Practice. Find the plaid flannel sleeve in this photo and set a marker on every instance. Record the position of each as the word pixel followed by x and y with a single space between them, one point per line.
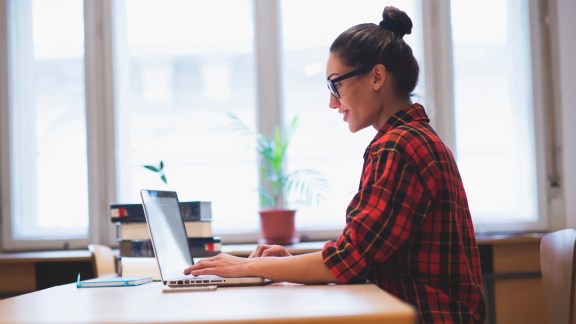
pixel 390 205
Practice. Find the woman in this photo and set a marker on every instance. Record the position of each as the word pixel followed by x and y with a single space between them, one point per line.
pixel 408 229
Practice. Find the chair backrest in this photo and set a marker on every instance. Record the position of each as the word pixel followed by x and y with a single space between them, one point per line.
pixel 103 260
pixel 557 266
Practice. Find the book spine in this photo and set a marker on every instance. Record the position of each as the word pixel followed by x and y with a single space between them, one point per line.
pixel 134 213
pixel 139 231
pixel 199 247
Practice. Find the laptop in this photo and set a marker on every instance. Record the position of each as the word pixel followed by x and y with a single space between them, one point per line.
pixel 170 243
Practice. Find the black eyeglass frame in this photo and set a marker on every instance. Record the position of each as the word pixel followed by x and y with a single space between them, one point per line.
pixel 332 83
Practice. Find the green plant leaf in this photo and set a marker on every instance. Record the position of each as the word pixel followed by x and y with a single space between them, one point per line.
pixel 159 170
pixel 151 168
pixel 307 186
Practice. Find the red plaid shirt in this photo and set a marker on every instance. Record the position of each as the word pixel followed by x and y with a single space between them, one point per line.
pixel 408 229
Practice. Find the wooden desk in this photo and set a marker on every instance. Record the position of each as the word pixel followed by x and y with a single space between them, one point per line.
pixel 29 271
pixel 511 273
pixel 510 266
pixel 25 272
pixel 279 303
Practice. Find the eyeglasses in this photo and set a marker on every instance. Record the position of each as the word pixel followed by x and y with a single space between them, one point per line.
pixel 332 83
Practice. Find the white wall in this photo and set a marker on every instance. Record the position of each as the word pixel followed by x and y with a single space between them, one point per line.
pixel 566 99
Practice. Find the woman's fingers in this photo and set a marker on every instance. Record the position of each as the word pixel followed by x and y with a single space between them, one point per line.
pixel 260 249
pixel 223 264
pixel 266 250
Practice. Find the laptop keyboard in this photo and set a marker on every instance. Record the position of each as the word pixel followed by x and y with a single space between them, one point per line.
pixel 202 279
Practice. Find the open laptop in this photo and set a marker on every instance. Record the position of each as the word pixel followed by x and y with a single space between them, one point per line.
pixel 170 243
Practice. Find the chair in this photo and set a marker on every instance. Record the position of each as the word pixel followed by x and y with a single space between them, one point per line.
pixel 103 260
pixel 557 264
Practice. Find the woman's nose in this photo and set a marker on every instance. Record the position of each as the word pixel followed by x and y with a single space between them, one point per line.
pixel 333 102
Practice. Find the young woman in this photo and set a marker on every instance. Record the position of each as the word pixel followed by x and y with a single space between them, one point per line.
pixel 408 229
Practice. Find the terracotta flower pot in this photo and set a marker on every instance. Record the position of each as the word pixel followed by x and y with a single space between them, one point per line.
pixel 278 226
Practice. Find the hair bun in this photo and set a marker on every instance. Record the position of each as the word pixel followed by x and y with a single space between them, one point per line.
pixel 396 21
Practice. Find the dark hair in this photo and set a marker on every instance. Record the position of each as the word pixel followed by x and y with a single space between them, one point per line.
pixel 370 44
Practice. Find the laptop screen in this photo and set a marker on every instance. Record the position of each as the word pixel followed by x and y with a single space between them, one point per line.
pixel 170 242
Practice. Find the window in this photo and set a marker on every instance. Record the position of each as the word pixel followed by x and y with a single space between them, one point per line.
pixel 170 71
pixel 47 121
pixel 179 78
pixel 495 105
pixel 323 141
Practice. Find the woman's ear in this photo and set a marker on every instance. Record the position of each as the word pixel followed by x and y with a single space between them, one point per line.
pixel 380 76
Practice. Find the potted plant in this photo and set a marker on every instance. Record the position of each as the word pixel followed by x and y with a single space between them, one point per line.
pixel 278 188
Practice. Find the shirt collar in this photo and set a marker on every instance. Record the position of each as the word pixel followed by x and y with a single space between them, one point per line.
pixel 415 113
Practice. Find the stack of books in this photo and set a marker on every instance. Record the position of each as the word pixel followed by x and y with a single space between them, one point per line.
pixel 134 238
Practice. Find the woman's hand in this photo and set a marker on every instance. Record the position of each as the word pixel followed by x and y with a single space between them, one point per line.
pixel 304 268
pixel 265 250
pixel 223 265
